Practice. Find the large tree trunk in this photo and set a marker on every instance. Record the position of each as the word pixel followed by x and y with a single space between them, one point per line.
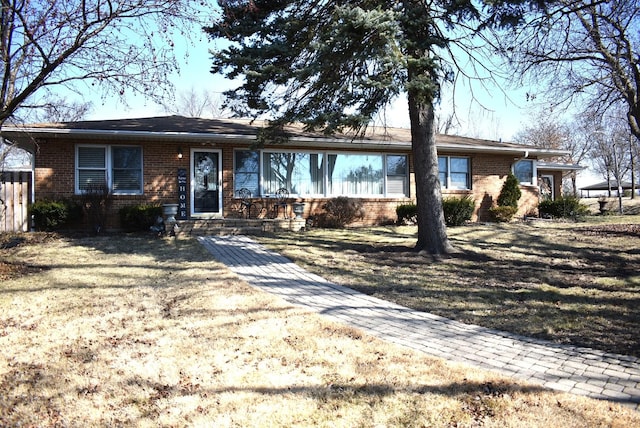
pixel 432 230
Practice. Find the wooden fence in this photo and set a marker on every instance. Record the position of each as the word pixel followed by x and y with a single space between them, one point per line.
pixel 15 188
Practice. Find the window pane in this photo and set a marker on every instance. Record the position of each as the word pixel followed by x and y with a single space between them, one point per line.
pixel 355 175
pixel 91 157
pixel 459 165
pixel 278 171
pixel 523 170
pixel 127 180
pixel 299 173
pixel 396 185
pixel 458 180
pixel 88 178
pixel 459 174
pixel 246 171
pixel 397 175
pixel 127 169
pixel 442 170
pixel 396 165
pixel 127 157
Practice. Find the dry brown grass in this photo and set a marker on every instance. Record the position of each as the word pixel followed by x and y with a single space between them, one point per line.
pixel 575 283
pixel 136 331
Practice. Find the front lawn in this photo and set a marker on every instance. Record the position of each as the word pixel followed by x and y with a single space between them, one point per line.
pixel 126 330
pixel 575 283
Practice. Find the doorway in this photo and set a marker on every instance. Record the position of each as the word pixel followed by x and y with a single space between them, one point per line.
pixel 206 197
pixel 547 188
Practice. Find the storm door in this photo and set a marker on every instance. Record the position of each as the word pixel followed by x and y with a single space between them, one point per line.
pixel 206 197
pixel 546 188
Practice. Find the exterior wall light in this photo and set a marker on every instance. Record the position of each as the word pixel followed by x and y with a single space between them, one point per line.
pixel 179 152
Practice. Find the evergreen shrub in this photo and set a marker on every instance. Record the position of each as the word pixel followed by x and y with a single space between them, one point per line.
pixel 407 214
pixel 139 217
pixel 49 215
pixel 510 192
pixel 457 210
pixel 507 200
pixel 563 207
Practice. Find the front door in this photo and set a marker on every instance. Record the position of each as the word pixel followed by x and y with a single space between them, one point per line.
pixel 546 187
pixel 206 198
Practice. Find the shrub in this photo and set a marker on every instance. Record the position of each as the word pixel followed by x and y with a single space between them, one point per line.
pixel 339 212
pixel 510 192
pixel 564 207
pixel 502 214
pixel 407 214
pixel 507 200
pixel 139 217
pixel 54 215
pixel 457 210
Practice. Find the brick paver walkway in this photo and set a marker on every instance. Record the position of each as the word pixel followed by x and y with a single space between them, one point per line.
pixel 566 368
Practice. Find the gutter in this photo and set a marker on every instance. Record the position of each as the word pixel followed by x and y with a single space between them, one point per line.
pixel 28 135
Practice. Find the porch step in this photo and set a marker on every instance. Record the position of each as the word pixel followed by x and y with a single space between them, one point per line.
pixel 238 226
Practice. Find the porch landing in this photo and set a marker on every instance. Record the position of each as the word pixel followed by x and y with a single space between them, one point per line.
pixel 235 226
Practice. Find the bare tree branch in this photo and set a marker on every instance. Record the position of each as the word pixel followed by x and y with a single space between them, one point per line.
pixel 91 45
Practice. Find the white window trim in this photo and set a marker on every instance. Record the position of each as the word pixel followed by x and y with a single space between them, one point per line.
pixel 108 168
pixel 534 172
pixel 447 184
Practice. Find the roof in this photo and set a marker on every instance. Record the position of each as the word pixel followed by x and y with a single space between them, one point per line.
pixel 605 185
pixel 188 129
pixel 554 166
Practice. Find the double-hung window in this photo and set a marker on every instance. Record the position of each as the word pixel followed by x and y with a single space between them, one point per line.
pixel 119 168
pixel 454 172
pixel 397 177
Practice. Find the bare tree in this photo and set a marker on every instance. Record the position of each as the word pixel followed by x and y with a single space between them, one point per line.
pixel 88 46
pixel 547 130
pixel 611 154
pixel 197 104
pixel 583 50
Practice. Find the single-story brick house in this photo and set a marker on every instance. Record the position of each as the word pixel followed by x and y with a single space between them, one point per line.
pixel 201 164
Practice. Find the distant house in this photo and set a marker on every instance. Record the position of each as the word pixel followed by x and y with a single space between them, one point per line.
pixel 144 160
pixel 606 188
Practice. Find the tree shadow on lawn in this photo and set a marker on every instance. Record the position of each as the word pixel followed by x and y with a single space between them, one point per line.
pixel 553 298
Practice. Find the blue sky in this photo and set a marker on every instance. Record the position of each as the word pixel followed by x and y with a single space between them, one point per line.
pixel 499 120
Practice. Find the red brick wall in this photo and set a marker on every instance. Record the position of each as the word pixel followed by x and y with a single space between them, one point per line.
pixel 489 172
pixel 55 175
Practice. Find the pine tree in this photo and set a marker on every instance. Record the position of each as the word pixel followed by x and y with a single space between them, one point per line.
pixel 510 192
pixel 332 65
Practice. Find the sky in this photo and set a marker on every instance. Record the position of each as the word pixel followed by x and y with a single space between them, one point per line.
pixel 501 118
pixel 492 113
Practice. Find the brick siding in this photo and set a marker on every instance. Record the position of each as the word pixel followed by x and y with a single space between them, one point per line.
pixel 55 179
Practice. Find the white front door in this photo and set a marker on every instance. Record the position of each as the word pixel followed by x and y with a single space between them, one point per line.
pixel 206 178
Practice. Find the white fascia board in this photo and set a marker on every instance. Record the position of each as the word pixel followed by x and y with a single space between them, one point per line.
pixel 87 133
pixel 34 133
pixel 522 152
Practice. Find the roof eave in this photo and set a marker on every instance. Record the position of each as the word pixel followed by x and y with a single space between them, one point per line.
pixel 26 138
